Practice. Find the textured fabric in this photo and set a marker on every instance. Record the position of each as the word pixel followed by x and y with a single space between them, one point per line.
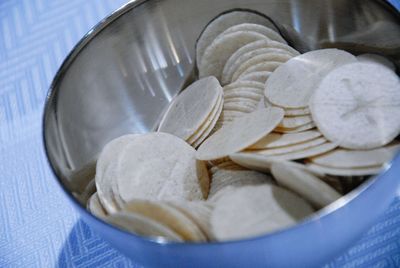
pixel 37 227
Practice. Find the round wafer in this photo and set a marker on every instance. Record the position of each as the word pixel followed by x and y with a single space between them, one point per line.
pixel 256 210
pixel 191 108
pixel 236 60
pixel 168 216
pixel 157 166
pixel 223 22
pixel 261 77
pixel 287 87
pixel 342 158
pixel 367 171
pixel 291 148
pixel 308 186
pixel 275 140
pixel 231 139
pixel 216 55
pixel 358 106
pixel 141 225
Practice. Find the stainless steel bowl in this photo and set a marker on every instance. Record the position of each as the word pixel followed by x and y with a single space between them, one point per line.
pixel 122 75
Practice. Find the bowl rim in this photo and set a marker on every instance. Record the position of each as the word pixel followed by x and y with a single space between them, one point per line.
pixel 51 99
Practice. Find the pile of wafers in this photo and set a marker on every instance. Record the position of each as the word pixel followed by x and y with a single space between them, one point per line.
pixel 265 137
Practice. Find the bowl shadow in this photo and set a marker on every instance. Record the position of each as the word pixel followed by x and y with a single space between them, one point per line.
pixel 84 248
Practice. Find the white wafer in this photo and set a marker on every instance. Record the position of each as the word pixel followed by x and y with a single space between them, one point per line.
pixel 373 170
pixel 263 209
pixel 291 148
pixel 287 86
pixel 263 164
pixel 252 27
pixel 342 158
pixel 207 132
pixel 223 22
pixel 297 112
pixel 231 138
pixel 94 206
pixel 308 186
pixel 216 55
pixel 295 121
pixel 210 121
pixel 105 174
pixel 236 178
pixel 233 63
pixel 191 108
pixel 260 67
pixel 157 166
pixel 375 58
pixel 142 225
pixel 263 58
pixel 242 106
pixel 245 84
pixel 261 77
pixel 199 212
pixel 275 140
pixel 242 93
pixel 295 130
pixel 358 106
pixel 169 216
pixel 313 151
pixel 261 44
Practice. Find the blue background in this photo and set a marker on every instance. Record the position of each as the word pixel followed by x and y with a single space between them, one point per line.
pixel 38 227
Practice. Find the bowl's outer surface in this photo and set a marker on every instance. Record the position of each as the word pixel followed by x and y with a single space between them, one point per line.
pixel 120 78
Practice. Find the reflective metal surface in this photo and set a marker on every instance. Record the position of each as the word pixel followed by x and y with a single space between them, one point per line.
pixel 120 78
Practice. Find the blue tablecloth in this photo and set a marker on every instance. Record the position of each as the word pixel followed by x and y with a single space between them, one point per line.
pixel 38 227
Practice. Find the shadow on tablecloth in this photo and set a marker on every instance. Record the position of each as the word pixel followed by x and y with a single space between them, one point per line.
pixel 84 248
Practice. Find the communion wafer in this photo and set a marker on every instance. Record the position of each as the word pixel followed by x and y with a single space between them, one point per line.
pixel 295 121
pixel 103 179
pixel 199 212
pixel 263 58
pixel 252 27
pixel 141 225
pixel 261 77
pixel 291 148
pixel 157 166
pixel 242 93
pixel 364 171
pixel 207 132
pixel 231 138
pixel 259 67
pixel 254 210
pixel 95 207
pixel 342 158
pixel 212 118
pixel 358 106
pixel 216 55
pixel 263 164
pixel 295 130
pixel 245 84
pixel 223 22
pixel 191 108
pixel 236 60
pixel 237 178
pixel 169 216
pixel 274 140
pixel 287 86
pixel 260 44
pixel 308 186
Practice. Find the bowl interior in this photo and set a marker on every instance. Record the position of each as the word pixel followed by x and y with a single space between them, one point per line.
pixel 121 77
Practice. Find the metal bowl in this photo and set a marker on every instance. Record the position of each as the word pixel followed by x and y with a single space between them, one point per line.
pixel 121 76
